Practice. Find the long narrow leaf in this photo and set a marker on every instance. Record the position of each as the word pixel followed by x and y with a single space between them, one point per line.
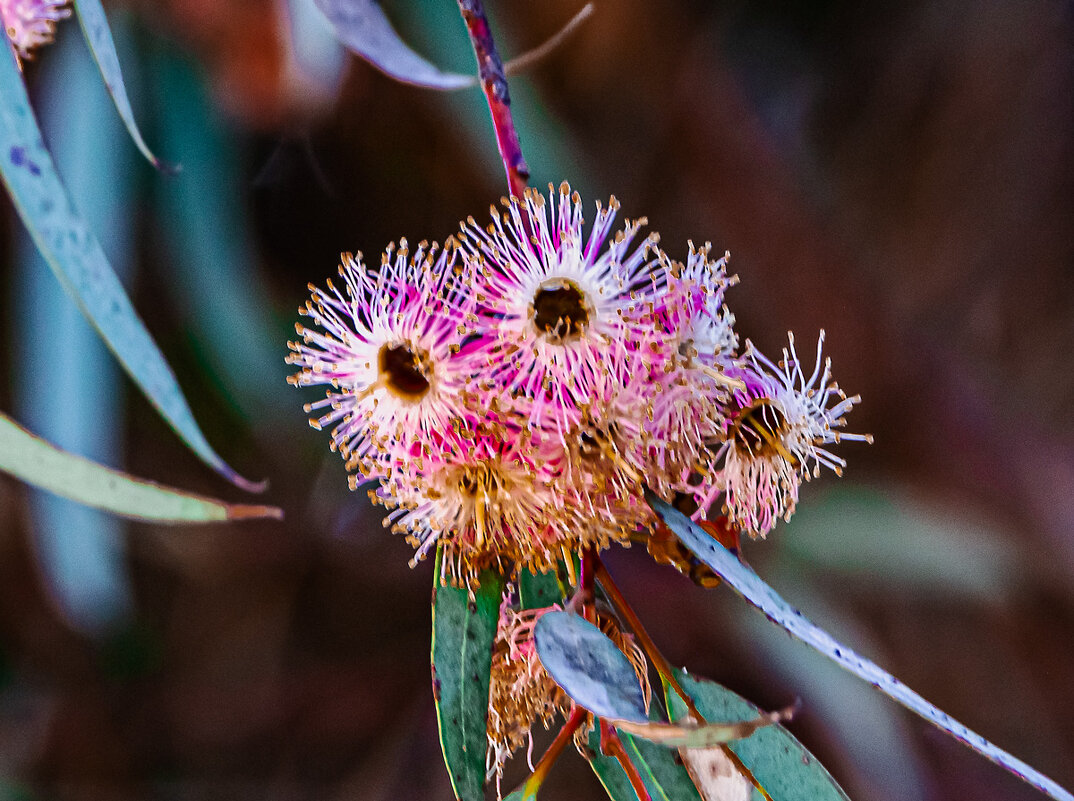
pixel 751 587
pixel 463 633
pixel 45 466
pixel 68 389
pixel 75 256
pixel 99 38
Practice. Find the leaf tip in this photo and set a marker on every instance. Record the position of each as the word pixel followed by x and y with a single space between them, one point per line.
pixel 242 511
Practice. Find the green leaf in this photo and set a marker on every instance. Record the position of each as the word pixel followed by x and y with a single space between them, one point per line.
pixel 660 769
pixel 751 587
pixel 589 667
pixel 75 256
pixel 99 39
pixel 780 763
pixel 464 630
pixel 538 590
pixel 362 26
pixel 45 466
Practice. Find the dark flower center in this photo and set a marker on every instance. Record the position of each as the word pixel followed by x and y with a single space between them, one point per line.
pixel 559 309
pixel 403 371
pixel 759 429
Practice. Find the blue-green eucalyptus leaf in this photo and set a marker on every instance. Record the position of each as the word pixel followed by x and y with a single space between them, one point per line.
pixel 589 667
pixel 751 587
pixel 464 630
pixel 778 762
pixel 43 465
pixel 67 387
pixel 75 256
pixel 94 23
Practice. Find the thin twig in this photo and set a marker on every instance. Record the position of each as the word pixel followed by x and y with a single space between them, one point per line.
pixel 494 85
pixel 540 773
pixel 527 60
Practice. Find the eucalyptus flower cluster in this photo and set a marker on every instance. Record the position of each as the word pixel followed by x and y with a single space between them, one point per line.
pixel 513 392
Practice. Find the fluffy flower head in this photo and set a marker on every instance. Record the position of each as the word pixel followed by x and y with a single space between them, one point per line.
pixel 388 347
pixel 553 301
pixel 776 435
pixel 31 23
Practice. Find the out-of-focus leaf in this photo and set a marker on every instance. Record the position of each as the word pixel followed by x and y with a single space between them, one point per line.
pixel 74 254
pixel 362 26
pixel 315 55
pixel 891 538
pixel 464 630
pixel 67 387
pixel 538 590
pixel 206 231
pixel 589 667
pixel 45 466
pixel 99 38
pixel 751 587
pixel 779 763
pixel 664 777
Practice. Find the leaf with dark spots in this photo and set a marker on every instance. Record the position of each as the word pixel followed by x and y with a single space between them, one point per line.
pixel 464 631
pixel 75 256
pixel 777 761
pixel 589 667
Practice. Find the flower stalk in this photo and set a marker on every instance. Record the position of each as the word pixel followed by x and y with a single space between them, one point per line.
pixel 494 85
pixel 540 773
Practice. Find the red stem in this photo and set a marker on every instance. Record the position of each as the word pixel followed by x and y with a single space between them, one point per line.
pixel 611 745
pixel 540 773
pixel 494 85
pixel 589 562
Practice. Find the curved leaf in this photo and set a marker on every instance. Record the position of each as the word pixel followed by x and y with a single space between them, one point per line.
pixel 751 587
pixel 780 763
pixel 706 735
pixel 589 667
pixel 81 550
pixel 75 256
pixel 94 24
pixel 45 466
pixel 362 26
pixel 464 630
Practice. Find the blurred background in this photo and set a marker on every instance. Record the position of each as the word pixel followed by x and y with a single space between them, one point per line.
pixel 899 174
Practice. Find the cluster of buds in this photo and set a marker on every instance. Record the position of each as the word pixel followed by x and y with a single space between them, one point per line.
pixel 514 392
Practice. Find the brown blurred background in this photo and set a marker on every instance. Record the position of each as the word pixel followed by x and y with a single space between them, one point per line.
pixel 899 174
